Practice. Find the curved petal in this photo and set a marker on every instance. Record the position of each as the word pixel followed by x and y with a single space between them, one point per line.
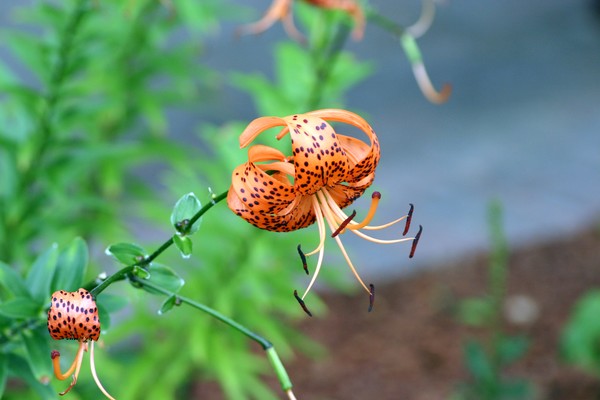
pixel 259 191
pixel 319 158
pixel 259 152
pixel 258 126
pixel 344 195
pixel 370 160
pixel 296 215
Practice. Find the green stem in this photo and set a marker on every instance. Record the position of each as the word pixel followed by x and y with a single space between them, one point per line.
pixel 385 23
pixel 325 58
pixel 272 355
pixel 124 272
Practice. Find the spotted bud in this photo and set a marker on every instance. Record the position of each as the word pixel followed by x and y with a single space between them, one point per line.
pixel 73 315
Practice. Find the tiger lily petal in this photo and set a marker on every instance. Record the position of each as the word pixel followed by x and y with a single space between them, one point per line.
pixel 325 172
pixel 281 10
pixel 74 315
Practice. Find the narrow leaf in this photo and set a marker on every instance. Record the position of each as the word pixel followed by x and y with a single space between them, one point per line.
pixel 184 244
pixel 12 282
pixel 21 307
pixel 72 264
pixel 166 278
pixel 126 253
pixel 41 274
pixel 185 208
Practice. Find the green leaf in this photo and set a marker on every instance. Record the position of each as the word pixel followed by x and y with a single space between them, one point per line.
pixel 185 208
pixel 3 372
pixel 19 367
pixel 184 244
pixel 37 352
pixel 20 307
pixel 478 362
pixel 167 305
pixel 12 282
pixel 126 253
pixel 72 264
pixel 41 274
pixel 475 311
pixel 510 349
pixel 164 277
pixel 580 341
pixel 108 304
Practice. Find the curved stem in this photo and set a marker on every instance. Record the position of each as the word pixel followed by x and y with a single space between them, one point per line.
pixel 267 346
pixel 124 272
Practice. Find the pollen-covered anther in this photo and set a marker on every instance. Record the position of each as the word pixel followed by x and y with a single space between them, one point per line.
pixel 302 304
pixel 408 219
pixel 344 224
pixel 413 248
pixel 303 258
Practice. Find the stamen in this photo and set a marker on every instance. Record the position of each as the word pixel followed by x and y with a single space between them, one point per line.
pixel 371 297
pixel 306 310
pixel 77 364
pixel 408 219
pixel 343 225
pixel 320 249
pixel 415 242
pixel 93 368
pixel 375 197
pixel 303 258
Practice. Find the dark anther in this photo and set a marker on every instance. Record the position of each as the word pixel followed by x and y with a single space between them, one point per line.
pixel 303 258
pixel 408 219
pixel 376 195
pixel 415 242
pixel 54 354
pixel 371 297
pixel 306 310
pixel 344 224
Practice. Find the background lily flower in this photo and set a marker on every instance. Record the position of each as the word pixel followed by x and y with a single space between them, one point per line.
pixel 282 10
pixel 74 315
pixel 325 173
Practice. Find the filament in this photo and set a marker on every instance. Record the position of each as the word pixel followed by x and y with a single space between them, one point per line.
pixel 78 360
pixel 93 368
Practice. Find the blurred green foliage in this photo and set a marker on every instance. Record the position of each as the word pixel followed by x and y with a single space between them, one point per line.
pixel 580 341
pixel 79 131
pixel 486 360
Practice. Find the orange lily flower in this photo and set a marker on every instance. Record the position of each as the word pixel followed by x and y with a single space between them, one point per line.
pixel 74 315
pixel 326 172
pixel 282 10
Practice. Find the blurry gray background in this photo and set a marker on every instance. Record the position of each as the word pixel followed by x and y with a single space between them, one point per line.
pixel 522 124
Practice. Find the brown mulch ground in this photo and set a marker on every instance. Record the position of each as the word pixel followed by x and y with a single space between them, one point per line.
pixel 410 347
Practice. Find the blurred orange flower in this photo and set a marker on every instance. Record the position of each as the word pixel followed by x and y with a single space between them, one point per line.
pixel 281 10
pixel 326 172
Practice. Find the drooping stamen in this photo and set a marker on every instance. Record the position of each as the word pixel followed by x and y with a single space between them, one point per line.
pixel 408 219
pixel 415 242
pixel 303 258
pixel 93 368
pixel 77 362
pixel 55 355
pixel 371 297
pixel 343 225
pixel 306 310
